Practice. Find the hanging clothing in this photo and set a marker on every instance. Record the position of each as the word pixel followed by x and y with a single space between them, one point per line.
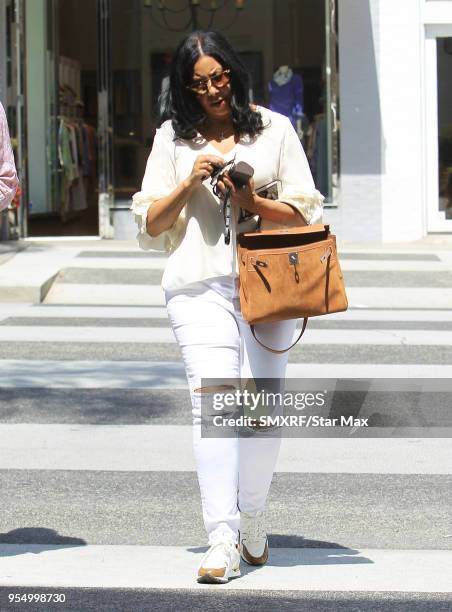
pixel 74 162
pixel 67 166
pixel 65 151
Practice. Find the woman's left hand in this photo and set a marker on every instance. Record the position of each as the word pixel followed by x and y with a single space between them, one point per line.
pixel 244 197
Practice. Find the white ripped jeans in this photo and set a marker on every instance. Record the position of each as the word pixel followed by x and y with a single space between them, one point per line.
pixel 234 473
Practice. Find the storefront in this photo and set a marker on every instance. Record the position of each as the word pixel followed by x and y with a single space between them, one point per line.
pixel 396 120
pixel 81 90
pixel 93 78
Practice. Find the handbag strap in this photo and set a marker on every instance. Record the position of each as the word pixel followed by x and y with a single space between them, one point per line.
pixel 305 322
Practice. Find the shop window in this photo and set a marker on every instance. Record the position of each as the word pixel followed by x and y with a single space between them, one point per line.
pixel 305 41
pixel 444 79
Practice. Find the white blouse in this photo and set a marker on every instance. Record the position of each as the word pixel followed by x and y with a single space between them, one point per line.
pixel 195 242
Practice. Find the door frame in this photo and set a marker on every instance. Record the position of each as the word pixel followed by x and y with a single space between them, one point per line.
pixel 105 119
pixel 436 221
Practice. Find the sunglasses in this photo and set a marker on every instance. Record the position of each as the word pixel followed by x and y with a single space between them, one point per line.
pixel 220 79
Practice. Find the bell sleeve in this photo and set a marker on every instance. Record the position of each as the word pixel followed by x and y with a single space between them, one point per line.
pixel 297 185
pixel 159 181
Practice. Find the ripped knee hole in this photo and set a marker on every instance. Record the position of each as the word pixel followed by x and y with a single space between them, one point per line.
pixel 214 389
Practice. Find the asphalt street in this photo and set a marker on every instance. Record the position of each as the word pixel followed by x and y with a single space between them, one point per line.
pixel 100 499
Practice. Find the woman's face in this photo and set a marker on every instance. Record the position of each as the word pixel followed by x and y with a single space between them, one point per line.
pixel 216 100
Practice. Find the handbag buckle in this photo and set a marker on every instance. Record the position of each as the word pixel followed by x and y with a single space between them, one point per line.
pixel 293 258
pixel 326 254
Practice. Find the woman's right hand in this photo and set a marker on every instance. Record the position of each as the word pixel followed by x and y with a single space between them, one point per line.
pixel 203 168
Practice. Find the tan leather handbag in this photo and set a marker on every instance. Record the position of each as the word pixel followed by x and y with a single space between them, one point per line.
pixel 289 273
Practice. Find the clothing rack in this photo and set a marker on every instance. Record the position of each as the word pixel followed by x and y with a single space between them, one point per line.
pixel 77 160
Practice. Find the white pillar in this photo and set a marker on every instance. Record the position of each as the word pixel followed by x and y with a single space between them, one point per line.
pixel 401 94
pixel 381 195
pixel 359 216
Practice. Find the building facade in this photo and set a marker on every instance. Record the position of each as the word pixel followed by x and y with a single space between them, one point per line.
pixel 396 119
pixel 367 89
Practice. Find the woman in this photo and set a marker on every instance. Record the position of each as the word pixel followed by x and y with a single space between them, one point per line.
pixel 211 121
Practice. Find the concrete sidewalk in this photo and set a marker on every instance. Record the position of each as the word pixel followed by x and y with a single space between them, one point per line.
pixel 10 248
pixel 174 567
pixel 29 267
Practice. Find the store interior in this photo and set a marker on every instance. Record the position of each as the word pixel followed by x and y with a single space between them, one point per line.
pixel 284 53
pixel 72 124
pixel 444 63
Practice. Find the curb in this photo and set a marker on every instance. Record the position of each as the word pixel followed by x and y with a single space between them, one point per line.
pixel 27 293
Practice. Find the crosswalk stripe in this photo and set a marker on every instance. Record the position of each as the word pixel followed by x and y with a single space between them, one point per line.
pixel 154 351
pixel 171 567
pixel 124 295
pixel 156 263
pixel 150 311
pixel 165 335
pixel 127 295
pixel 377 370
pixel 86 374
pixel 171 375
pixel 160 322
pixel 345 253
pixel 416 297
pixel 145 448
pixel 159 263
pixel 391 266
pixel 76 447
pixel 82 312
pixel 353 278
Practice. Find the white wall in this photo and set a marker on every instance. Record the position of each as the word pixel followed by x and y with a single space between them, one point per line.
pixel 381 121
pixel 401 37
pixel 359 215
pixel 437 11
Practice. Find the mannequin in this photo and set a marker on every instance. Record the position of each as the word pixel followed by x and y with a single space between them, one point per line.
pixel 282 75
pixel 286 95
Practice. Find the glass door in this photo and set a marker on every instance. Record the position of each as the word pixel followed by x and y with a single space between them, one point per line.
pixel 332 101
pixel 53 105
pixel 126 121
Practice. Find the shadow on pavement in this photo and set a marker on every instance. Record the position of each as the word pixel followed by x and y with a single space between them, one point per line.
pixel 320 553
pixel 35 540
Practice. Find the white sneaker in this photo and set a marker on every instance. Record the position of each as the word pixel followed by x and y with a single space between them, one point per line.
pixel 220 563
pixel 253 538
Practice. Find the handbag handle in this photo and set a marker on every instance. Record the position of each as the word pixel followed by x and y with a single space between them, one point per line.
pixel 305 322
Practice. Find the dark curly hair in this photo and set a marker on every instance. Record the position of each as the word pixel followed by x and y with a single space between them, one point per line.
pixel 181 105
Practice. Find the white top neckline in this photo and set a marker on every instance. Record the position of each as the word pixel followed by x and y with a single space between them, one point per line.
pixel 199 139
